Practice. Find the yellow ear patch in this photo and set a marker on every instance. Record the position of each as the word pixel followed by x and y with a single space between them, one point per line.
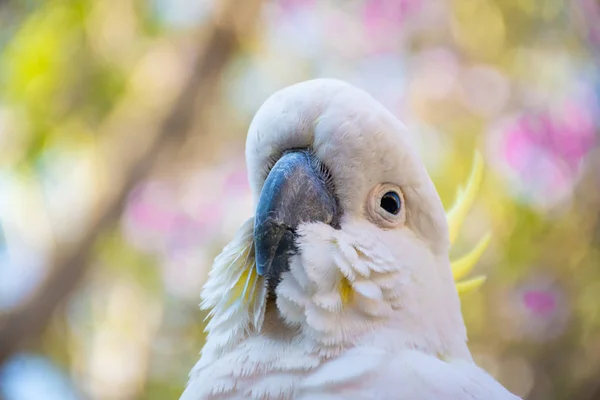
pixel 242 290
pixel 456 216
pixel 345 290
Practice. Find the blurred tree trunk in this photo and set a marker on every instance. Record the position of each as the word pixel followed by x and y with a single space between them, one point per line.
pixel 233 22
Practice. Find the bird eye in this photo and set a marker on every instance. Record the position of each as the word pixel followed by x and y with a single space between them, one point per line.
pixel 386 206
pixel 391 202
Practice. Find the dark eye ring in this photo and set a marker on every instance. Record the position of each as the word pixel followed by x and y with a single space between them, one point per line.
pixel 391 202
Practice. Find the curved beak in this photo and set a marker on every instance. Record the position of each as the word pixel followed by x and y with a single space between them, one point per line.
pixel 294 192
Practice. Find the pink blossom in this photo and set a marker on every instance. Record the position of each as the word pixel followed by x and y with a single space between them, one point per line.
pixel 237 181
pixel 539 301
pixel 537 310
pixel 289 6
pixel 589 11
pixel 545 150
pixel 381 17
pixel 151 208
pixel 378 12
pixel 567 137
pixel 151 217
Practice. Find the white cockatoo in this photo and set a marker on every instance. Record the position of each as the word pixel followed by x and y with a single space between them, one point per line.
pixel 340 286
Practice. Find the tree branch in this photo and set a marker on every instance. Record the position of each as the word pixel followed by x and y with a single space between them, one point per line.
pixel 27 322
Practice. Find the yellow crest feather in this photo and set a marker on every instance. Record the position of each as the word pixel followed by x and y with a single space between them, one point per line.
pixel 464 265
pixel 456 216
pixel 470 284
pixel 464 200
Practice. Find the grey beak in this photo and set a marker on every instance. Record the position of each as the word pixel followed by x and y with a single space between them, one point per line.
pixel 295 191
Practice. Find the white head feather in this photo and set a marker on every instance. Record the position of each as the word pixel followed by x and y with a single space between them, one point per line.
pixel 402 265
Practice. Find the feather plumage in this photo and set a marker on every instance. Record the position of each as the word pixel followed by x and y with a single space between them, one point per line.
pixel 366 311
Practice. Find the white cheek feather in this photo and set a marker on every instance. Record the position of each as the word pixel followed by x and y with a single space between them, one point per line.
pixel 234 294
pixel 347 285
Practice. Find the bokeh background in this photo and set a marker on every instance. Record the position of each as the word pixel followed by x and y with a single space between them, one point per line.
pixel 122 173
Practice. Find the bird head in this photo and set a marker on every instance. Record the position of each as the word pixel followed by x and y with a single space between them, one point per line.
pixel 349 234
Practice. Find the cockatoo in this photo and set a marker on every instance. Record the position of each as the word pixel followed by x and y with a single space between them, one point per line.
pixel 340 286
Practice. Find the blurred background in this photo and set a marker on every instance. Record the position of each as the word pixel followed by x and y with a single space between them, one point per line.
pixel 122 172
